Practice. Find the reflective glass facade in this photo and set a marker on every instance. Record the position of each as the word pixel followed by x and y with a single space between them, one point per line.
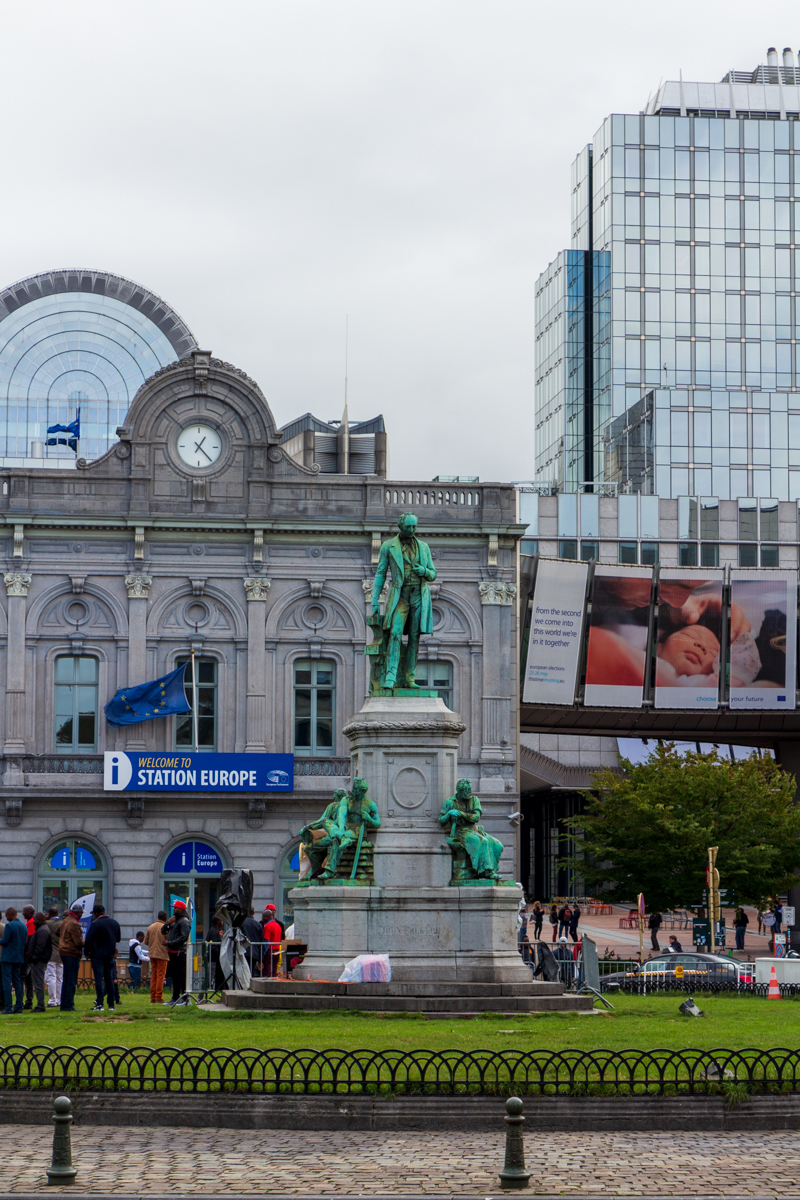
pixel 74 348
pixel 693 220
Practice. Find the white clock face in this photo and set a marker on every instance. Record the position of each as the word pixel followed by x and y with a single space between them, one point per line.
pixel 199 445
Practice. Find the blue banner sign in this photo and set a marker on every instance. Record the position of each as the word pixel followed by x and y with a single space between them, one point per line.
pixel 176 771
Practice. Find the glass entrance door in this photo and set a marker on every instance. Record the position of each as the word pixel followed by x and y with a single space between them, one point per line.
pixel 191 873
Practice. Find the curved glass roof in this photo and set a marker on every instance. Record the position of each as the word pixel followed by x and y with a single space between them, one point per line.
pixel 78 338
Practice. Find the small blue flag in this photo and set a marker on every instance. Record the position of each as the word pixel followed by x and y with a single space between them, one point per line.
pixel 73 429
pixel 161 698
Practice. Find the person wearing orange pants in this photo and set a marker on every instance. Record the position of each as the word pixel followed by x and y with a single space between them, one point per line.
pixel 157 944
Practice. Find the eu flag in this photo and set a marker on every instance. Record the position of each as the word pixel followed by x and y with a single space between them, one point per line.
pixel 161 698
pixel 73 429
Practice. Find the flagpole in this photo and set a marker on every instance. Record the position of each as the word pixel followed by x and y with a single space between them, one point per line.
pixel 194 702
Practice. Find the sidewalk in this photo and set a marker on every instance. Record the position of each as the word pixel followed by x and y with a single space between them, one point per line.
pixel 183 1161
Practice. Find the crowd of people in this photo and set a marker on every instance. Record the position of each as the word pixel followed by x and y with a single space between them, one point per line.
pixel 42 952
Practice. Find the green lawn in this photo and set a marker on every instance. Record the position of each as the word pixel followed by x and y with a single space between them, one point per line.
pixel 640 1022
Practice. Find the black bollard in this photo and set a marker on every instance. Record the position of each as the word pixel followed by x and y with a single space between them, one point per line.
pixel 61 1170
pixel 513 1174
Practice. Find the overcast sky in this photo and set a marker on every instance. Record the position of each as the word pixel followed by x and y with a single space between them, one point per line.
pixel 269 166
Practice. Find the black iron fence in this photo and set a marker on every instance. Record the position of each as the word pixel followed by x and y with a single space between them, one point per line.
pixel 392 1072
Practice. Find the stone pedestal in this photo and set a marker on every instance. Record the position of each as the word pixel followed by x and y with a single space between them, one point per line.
pixel 406 747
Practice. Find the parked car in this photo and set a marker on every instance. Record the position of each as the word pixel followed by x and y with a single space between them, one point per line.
pixel 697 968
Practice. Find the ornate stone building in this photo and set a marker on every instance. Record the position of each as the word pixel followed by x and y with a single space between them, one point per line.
pixel 116 570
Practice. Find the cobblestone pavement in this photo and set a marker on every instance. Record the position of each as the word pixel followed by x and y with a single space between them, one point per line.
pixel 179 1161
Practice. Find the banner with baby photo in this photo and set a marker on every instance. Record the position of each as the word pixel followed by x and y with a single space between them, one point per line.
pixel 688 638
pixel 618 632
pixel 762 638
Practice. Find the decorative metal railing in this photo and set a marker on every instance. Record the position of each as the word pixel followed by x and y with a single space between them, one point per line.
pixel 321 766
pixel 63 764
pixel 443 1072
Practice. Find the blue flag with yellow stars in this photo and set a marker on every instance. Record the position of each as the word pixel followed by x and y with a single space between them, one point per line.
pixel 161 698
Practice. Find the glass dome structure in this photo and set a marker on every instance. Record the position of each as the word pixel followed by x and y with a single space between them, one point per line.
pixel 72 339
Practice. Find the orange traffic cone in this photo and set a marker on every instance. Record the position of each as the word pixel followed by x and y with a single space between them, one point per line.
pixel 774 992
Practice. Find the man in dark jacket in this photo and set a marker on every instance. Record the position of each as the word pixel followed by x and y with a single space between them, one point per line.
pixel 654 924
pixel 575 917
pixel 15 935
pixel 177 931
pixel 101 949
pixel 70 947
pixel 38 952
pixel 27 976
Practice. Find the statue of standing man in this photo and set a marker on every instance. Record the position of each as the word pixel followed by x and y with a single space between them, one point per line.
pixel 407 560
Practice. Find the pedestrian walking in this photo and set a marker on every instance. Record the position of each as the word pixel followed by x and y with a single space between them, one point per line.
pixel 575 917
pixel 27 976
pixel 156 945
pixel 101 950
pixel 70 947
pixel 177 931
pixel 537 916
pixel 777 908
pixel 565 960
pixel 137 954
pixel 54 971
pixel 37 954
pixel 273 934
pixel 654 924
pixel 256 951
pixel 740 923
pixel 554 922
pixel 564 916
pixel 15 935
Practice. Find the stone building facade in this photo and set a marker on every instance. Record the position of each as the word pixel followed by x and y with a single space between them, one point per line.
pixel 115 571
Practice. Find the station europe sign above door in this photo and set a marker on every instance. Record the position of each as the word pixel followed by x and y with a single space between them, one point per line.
pixel 126 771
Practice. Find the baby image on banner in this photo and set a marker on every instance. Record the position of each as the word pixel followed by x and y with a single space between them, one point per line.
pixel 688 638
pixel 761 670
pixel 554 646
pixel 618 628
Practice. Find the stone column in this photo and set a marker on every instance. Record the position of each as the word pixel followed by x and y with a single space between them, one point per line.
pixel 17 584
pixel 256 590
pixel 138 586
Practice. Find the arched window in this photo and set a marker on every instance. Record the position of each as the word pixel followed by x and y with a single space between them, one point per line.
pixel 69 870
pixel 287 879
pixel 190 871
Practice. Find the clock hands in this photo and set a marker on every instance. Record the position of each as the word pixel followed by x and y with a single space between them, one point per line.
pixel 199 446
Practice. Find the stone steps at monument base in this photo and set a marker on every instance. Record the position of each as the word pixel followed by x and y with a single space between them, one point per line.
pixel 313 987
pixel 455 1003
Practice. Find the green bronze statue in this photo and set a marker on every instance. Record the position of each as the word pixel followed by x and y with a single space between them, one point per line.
pixel 337 844
pixel 476 854
pixel 407 561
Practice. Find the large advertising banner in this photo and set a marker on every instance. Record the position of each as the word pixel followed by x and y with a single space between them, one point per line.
pixel 763 625
pixel 618 628
pixel 688 638
pixel 554 646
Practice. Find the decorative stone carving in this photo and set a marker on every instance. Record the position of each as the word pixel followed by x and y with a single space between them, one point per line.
pixel 138 586
pixel 78 583
pixel 495 592
pixel 17 583
pixel 451 728
pixel 493 547
pixel 19 534
pixel 257 589
pixel 134 815
pixel 198 586
pixel 258 545
pixel 13 811
pixel 138 542
pixel 315 587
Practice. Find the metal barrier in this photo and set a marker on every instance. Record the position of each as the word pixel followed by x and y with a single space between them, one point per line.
pixel 444 1072
pixel 204 975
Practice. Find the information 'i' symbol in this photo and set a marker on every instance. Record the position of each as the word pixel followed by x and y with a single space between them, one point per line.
pixel 114 771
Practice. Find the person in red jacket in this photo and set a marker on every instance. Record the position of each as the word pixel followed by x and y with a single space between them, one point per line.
pixel 274 935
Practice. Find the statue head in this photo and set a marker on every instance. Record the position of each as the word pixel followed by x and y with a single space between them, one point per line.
pixel 360 788
pixel 407 525
pixel 339 794
pixel 463 789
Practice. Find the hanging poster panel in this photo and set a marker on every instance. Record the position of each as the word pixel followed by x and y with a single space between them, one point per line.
pixel 763 640
pixel 617 654
pixel 688 638
pixel 554 647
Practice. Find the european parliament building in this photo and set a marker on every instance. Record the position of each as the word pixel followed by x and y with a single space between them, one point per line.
pixel 250 546
pixel 667 401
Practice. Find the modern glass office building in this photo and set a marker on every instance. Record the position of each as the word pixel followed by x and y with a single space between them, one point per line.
pixel 667 333
pixel 77 339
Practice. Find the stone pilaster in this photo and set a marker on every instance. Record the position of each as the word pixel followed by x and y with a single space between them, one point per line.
pixel 17 584
pixel 138 586
pixel 256 590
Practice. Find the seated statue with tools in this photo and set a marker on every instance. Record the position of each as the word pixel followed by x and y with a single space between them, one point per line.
pixel 335 844
pixel 476 854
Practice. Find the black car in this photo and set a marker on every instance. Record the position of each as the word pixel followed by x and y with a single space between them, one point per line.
pixel 691 966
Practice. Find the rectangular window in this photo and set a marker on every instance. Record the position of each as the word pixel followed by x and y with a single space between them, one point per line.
pixel 206 706
pixel 748 523
pixel 314 706
pixel 769 520
pixel 76 704
pixel 769 556
pixel 687 554
pixel 709 554
pixel 438 675
pixel 748 555
pixel 709 520
pixel 649 554
pixel 567 549
pixel 589 551
pixel 628 553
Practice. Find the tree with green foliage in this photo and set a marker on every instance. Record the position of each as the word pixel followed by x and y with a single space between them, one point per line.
pixel 649 829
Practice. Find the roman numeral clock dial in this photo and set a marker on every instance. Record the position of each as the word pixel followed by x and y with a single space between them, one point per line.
pixel 199 445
